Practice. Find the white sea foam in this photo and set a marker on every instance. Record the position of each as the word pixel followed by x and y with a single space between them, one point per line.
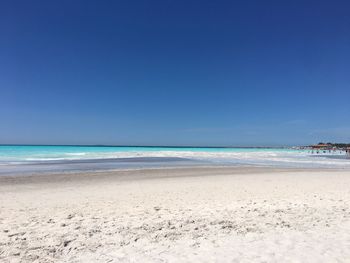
pixel 266 157
pixel 282 158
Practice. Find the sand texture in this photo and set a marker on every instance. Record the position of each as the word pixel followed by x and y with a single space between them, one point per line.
pixel 177 215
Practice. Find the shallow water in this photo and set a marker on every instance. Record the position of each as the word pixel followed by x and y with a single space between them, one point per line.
pixel 31 159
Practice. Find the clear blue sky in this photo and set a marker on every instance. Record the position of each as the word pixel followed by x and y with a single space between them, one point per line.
pixel 174 72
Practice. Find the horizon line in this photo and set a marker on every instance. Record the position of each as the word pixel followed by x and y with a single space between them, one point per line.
pixel 154 146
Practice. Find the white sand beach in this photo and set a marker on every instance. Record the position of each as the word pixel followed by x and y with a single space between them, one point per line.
pixel 177 215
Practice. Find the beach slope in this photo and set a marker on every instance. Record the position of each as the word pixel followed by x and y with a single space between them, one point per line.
pixel 177 215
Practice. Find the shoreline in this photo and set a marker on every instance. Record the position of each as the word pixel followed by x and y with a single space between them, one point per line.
pixel 55 159
pixel 133 174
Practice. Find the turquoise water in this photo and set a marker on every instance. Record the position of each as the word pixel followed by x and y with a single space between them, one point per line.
pixel 16 159
pixel 42 153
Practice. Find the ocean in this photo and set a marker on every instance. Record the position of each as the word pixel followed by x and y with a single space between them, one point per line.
pixel 32 159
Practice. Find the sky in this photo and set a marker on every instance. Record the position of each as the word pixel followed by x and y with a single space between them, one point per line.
pixel 201 73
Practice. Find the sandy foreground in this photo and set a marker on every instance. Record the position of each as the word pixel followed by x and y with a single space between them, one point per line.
pixel 177 215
